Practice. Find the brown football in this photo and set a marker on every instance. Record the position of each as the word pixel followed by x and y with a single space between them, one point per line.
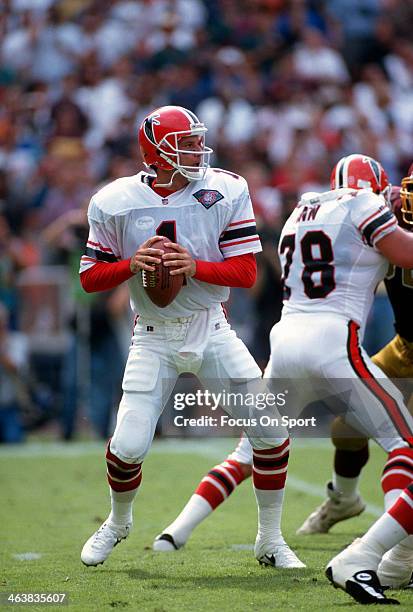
pixel 161 287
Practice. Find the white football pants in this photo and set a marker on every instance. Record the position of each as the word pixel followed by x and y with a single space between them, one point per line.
pixel 153 366
pixel 327 347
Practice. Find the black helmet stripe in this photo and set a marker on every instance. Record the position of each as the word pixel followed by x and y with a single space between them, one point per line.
pixel 340 173
pixel 193 118
pixel 376 169
pixel 148 127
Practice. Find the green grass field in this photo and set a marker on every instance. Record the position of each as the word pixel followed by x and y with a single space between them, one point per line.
pixel 54 496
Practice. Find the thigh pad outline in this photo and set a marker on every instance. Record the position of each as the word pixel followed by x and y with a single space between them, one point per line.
pixel 141 371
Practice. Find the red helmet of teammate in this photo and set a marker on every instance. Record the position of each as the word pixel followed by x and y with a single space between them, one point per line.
pixel 361 172
pixel 406 197
pixel 159 137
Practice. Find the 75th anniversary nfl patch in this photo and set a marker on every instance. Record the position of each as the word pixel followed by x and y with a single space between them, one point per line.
pixel 208 197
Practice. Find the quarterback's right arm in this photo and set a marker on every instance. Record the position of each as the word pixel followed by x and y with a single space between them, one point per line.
pixel 101 266
pixel 102 276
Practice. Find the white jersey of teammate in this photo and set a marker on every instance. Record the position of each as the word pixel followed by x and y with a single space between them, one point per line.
pixel 331 268
pixel 328 254
pixel 212 218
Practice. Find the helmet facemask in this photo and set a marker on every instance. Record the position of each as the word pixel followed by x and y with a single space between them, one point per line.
pixel 406 197
pixel 163 148
pixel 169 149
pixel 386 193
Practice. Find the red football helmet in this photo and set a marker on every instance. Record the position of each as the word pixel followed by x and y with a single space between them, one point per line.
pixel 361 172
pixel 406 197
pixel 159 137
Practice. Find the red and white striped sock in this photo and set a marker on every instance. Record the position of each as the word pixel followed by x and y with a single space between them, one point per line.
pixel 220 482
pixel 213 489
pixel 394 526
pixel 269 476
pixel 124 480
pixel 397 474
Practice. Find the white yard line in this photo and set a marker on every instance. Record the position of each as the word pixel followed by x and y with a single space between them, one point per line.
pixel 206 447
pixel 214 449
pixel 28 556
pixel 318 491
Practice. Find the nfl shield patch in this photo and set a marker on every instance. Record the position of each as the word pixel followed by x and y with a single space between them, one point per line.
pixel 208 197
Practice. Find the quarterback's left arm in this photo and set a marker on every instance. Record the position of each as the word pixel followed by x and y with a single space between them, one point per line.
pixel 240 234
pixel 238 271
pixel 237 243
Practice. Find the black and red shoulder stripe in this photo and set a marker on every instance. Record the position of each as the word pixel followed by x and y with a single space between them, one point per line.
pixel 372 227
pixel 97 251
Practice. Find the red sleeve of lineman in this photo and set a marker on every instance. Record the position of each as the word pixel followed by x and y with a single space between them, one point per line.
pixel 103 276
pixel 238 271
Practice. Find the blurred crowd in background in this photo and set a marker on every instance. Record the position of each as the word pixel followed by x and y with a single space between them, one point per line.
pixel 286 88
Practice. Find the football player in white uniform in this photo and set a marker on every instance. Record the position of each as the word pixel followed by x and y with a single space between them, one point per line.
pixel 206 214
pixel 334 250
pixel 365 174
pixel 396 360
pixel 385 552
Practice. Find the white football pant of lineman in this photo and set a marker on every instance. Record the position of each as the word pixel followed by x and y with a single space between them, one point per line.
pixel 321 350
pixel 318 348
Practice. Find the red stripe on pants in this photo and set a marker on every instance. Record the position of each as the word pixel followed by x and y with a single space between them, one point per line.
pixel 387 401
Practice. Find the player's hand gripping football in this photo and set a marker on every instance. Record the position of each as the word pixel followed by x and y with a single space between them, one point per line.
pixel 145 257
pixel 182 261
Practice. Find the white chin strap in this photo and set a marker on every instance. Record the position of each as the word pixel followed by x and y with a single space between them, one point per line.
pixel 170 182
pixel 194 174
pixel 184 174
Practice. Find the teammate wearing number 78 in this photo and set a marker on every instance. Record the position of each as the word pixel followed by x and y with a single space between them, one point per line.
pixel 335 248
pixel 330 251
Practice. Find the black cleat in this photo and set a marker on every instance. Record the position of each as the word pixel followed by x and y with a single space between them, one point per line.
pixel 364 587
pixel 165 543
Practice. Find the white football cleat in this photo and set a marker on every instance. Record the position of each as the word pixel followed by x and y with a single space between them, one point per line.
pixel 354 571
pixel 99 546
pixel 164 542
pixel 334 509
pixel 279 555
pixel 395 570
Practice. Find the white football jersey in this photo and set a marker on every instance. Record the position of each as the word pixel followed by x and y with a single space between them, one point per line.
pixel 212 218
pixel 328 255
